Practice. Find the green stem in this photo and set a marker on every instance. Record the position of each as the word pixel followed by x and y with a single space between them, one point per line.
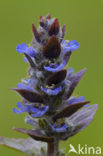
pixel 52 148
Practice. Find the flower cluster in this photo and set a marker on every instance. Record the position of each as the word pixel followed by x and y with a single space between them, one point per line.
pixel 46 92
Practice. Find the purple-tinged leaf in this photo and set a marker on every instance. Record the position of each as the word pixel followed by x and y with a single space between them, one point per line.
pixel 35 134
pixel 57 77
pixel 69 110
pixel 54 28
pixel 36 34
pixel 52 48
pixel 48 16
pixel 30 60
pixel 63 32
pixel 74 79
pixel 80 120
pixel 28 146
pixel 29 95
pixel 42 21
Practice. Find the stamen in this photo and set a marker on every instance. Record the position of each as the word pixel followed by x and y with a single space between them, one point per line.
pixel 42 105
pixel 53 85
pixel 46 86
pixel 49 61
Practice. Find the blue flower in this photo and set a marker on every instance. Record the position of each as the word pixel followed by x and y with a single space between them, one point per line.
pixel 31 121
pixel 34 111
pixel 70 46
pixel 24 86
pixel 58 129
pixel 26 60
pixel 39 112
pixel 55 69
pixel 28 84
pixel 22 108
pixel 24 49
pixel 74 100
pixel 52 91
pixel 70 71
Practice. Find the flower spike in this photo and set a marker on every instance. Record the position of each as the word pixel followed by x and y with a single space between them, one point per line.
pixel 46 92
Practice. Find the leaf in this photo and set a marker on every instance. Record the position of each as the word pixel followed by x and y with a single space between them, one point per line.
pixel 29 95
pixel 52 48
pixel 35 134
pixel 57 77
pixel 63 32
pixel 54 28
pixel 30 60
pixel 80 120
pixel 74 79
pixel 69 110
pixel 28 146
pixel 36 34
pixel 48 16
pixel 42 21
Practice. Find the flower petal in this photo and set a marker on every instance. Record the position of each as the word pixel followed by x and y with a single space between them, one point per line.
pixel 70 71
pixel 59 129
pixel 74 100
pixel 22 109
pixel 34 111
pixel 31 121
pixel 39 112
pixel 24 49
pixel 21 48
pixel 70 46
pixel 53 91
pixel 24 86
pixel 59 67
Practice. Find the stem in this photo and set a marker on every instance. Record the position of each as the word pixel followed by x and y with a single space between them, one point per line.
pixel 52 148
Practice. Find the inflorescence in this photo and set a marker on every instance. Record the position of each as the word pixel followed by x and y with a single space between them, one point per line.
pixel 46 93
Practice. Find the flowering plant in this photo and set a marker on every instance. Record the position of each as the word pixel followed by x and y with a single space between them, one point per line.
pixel 46 93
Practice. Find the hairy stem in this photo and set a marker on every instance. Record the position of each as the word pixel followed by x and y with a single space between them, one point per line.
pixel 52 148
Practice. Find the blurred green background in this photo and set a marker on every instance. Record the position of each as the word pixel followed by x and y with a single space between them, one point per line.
pixel 84 23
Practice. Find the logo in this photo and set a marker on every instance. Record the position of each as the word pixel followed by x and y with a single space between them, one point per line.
pixel 85 150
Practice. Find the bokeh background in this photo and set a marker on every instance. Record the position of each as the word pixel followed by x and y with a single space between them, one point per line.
pixel 84 23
